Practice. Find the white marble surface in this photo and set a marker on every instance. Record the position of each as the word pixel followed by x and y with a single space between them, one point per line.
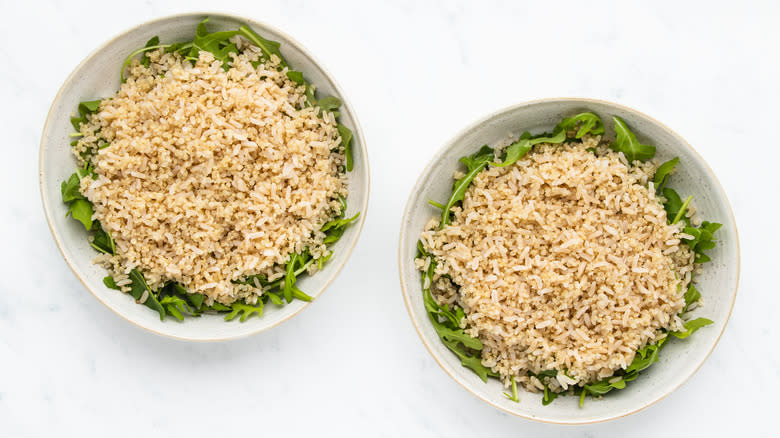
pixel 416 71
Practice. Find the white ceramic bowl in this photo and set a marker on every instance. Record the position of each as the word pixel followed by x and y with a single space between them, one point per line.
pixel 718 283
pixel 98 77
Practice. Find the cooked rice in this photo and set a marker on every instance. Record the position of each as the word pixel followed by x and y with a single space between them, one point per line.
pixel 210 176
pixel 563 261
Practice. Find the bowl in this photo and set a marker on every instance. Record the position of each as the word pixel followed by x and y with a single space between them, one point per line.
pixel 717 283
pixel 98 76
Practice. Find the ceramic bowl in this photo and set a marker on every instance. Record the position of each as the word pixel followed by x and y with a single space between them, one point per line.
pixel 718 282
pixel 98 77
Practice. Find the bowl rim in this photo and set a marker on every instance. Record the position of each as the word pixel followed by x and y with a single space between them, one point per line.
pixel 291 42
pixel 474 125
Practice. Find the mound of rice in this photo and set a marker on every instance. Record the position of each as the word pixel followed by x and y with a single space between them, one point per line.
pixel 206 176
pixel 563 261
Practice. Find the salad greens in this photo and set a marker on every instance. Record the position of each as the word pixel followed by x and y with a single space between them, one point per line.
pixel 173 299
pixel 447 319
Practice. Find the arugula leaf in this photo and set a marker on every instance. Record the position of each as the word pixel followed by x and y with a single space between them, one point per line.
pixel 702 239
pixel 85 108
pixel 110 283
pixel 548 396
pixel 474 164
pixel 268 47
pixel 289 278
pixel 691 326
pixel 154 41
pixel 628 144
pixel 674 206
pixel 339 223
pixel 276 299
pixel 517 150
pixel 133 54
pixel 70 189
pixel 246 310
pixel 176 306
pixel 330 104
pixel 196 300
pixel 448 329
pixel 692 295
pixel 588 122
pixel 81 210
pixel 218 307
pixel 139 288
pixel 102 240
pixel 663 172
pixel 346 141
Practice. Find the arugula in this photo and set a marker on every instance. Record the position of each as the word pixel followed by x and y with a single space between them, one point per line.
pixel 628 144
pixel 692 295
pixel 702 240
pixel 245 310
pixel 663 172
pixel 143 294
pixel 346 141
pixel 85 108
pixel 588 123
pixel 110 283
pixel 691 326
pixel 176 306
pixel 330 104
pixel 674 206
pixel 474 163
pixel 446 322
pixel 517 150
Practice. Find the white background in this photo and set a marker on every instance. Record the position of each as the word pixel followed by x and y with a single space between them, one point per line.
pixel 416 72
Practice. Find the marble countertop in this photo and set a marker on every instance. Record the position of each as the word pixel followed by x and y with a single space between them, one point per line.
pixel 416 72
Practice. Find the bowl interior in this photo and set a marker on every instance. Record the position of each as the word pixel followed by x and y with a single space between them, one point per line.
pixel 98 77
pixel 718 282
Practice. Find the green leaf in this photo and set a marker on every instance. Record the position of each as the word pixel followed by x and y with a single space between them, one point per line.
pixel 663 172
pixel 70 189
pixel 589 123
pixel 177 307
pixel 628 144
pixel 81 210
pixel 339 223
pixel 245 310
pixel 691 326
pixel 85 108
pixel 474 163
pixel 110 283
pixel 137 288
pixel 154 41
pixel 703 239
pixel 548 396
pixel 219 307
pixel 196 300
pixel 346 141
pixel 289 278
pixel 674 206
pixel 268 47
pixel 102 240
pixel 692 295
pixel 330 104
pixel 276 299
pixel 517 150
pixel 514 396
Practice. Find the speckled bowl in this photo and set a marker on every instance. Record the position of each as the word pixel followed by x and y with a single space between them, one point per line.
pixel 98 77
pixel 718 282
